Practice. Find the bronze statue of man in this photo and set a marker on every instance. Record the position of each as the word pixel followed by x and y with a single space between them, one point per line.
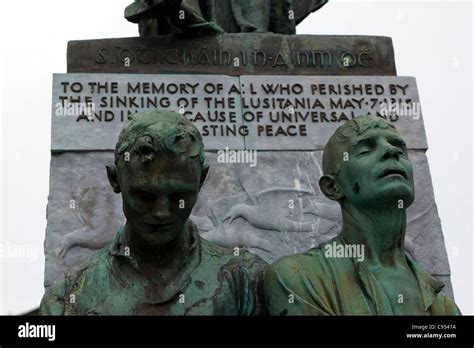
pixel 158 264
pixel 368 172
pixel 198 17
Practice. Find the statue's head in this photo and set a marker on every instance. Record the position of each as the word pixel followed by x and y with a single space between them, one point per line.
pixel 366 165
pixel 159 170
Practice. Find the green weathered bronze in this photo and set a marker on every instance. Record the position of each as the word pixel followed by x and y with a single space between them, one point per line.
pixel 158 263
pixel 197 17
pixel 364 270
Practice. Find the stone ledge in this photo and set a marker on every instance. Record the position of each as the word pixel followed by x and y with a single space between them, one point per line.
pixel 257 54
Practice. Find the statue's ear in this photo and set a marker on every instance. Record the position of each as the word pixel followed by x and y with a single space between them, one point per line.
pixel 329 187
pixel 205 170
pixel 113 178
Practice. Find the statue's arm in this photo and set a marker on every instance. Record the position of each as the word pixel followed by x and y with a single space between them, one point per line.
pixel 449 307
pixel 285 295
pixel 252 297
pixel 53 302
pixel 452 308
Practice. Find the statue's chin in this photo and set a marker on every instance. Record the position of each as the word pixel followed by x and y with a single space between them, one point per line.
pixel 388 197
pixel 398 199
pixel 158 238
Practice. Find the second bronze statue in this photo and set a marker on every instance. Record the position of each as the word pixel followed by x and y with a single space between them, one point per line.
pixel 201 17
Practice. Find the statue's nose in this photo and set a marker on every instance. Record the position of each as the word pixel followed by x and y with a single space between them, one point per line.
pixel 161 208
pixel 391 151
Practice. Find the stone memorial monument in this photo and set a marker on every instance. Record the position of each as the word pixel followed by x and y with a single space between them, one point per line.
pixel 266 102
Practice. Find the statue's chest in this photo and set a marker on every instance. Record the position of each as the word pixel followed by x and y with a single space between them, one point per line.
pixel 403 293
pixel 198 297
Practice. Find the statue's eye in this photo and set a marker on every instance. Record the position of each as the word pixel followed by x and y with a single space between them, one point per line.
pixel 146 196
pixel 365 146
pixel 362 153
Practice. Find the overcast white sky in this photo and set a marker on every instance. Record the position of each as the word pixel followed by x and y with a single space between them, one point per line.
pixel 433 41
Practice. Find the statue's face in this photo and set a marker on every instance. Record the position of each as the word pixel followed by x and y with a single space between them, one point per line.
pixel 378 171
pixel 158 198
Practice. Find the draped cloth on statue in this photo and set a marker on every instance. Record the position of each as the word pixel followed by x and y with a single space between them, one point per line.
pixel 160 17
pixel 211 281
pixel 320 285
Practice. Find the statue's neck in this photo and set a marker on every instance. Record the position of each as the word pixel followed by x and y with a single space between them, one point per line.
pixel 380 230
pixel 164 256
